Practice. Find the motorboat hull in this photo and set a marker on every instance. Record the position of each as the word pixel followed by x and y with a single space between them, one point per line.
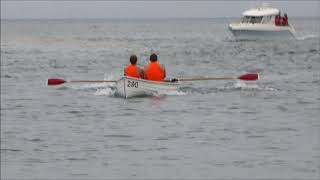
pixel 128 87
pixel 251 32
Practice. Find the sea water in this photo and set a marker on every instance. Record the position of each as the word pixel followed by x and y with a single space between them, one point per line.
pixel 265 129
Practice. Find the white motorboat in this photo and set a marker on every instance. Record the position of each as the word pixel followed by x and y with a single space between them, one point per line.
pixel 132 87
pixel 261 23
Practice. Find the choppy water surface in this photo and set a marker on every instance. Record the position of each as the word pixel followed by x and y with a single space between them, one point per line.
pixel 226 129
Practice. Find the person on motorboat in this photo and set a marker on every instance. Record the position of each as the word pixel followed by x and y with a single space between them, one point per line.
pixel 277 20
pixel 154 71
pixel 285 20
pixel 132 70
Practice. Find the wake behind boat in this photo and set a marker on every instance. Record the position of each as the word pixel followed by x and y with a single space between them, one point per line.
pixel 262 23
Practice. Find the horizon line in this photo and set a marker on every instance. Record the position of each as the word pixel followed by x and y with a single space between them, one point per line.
pixel 135 18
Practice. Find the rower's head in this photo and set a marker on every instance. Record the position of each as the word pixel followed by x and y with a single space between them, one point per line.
pixel 153 57
pixel 133 59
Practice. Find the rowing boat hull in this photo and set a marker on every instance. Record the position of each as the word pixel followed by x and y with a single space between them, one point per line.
pixel 128 87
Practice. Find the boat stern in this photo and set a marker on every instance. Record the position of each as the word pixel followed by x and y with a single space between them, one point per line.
pixel 132 87
pixel 231 27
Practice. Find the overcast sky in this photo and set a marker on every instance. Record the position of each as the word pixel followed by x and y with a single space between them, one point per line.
pixel 146 9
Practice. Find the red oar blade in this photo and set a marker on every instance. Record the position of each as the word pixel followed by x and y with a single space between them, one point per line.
pixel 52 82
pixel 249 77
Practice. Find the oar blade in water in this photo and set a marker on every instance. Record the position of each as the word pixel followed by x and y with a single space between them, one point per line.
pixel 249 77
pixel 55 81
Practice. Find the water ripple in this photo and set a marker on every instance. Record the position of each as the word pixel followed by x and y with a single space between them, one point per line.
pixel 118 136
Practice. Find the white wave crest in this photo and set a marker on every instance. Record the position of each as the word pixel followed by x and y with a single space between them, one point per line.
pixel 240 85
pixel 92 86
pixel 172 93
pixel 105 92
pixel 243 85
pixel 305 37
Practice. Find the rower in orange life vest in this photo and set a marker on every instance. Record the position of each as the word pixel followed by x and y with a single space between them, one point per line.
pixel 132 70
pixel 154 71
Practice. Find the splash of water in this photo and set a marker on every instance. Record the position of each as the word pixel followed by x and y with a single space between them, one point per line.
pixel 105 92
pixel 172 93
pixel 240 85
pixel 305 37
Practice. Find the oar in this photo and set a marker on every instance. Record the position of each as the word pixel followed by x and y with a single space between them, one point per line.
pixel 55 81
pixel 244 77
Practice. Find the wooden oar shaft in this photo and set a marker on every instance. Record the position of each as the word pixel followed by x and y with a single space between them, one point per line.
pixel 206 78
pixel 92 81
pixel 245 77
pixel 56 81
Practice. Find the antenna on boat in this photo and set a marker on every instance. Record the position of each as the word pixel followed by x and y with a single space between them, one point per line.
pixel 265 5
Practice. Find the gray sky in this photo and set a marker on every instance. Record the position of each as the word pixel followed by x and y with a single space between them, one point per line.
pixel 145 9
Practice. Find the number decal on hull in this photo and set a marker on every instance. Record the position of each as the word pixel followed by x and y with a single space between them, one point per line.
pixel 133 84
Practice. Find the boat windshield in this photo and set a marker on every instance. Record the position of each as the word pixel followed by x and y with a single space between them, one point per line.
pixel 251 19
pixel 266 19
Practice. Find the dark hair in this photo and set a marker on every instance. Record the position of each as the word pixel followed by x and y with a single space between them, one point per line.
pixel 153 57
pixel 133 59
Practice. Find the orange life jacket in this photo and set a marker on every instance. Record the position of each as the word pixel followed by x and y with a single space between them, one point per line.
pixel 154 71
pixel 133 71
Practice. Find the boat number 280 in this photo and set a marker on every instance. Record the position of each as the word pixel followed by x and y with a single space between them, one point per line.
pixel 133 84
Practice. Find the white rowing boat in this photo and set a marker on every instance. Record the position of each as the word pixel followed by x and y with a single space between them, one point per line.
pixel 132 87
